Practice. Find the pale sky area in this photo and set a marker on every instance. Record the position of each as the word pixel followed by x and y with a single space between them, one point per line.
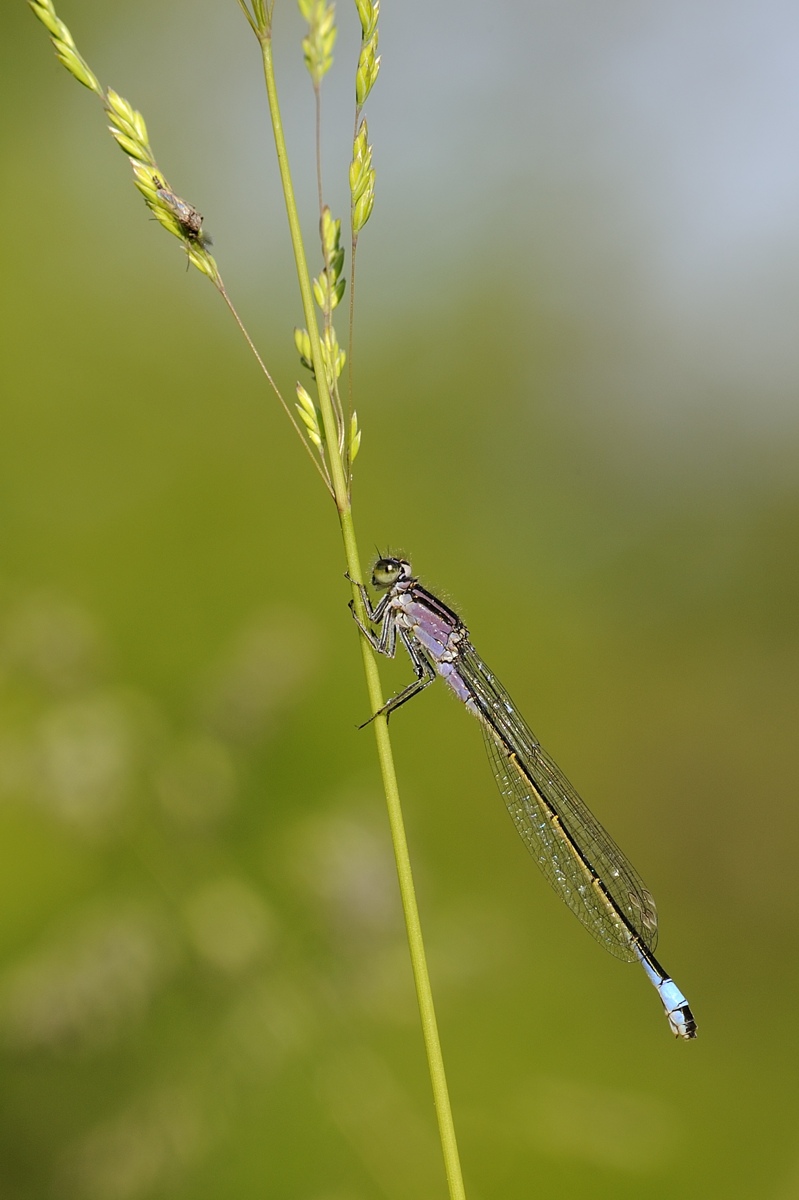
pixel 638 162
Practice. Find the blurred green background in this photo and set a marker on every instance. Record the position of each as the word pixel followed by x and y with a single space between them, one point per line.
pixel 577 370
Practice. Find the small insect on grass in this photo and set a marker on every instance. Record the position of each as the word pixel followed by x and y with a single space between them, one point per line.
pixel 187 217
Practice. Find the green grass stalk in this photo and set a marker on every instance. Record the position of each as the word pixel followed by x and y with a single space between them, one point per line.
pixel 341 495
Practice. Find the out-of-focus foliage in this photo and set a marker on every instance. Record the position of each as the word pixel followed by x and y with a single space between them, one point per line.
pixel 204 989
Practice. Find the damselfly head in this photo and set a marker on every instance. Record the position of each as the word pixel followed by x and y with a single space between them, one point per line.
pixel 388 571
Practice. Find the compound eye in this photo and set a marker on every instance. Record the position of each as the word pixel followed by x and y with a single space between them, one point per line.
pixel 386 572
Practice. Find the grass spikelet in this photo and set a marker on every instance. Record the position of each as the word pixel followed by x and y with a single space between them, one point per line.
pixel 328 287
pixel 65 48
pixel 309 416
pixel 317 45
pixel 302 341
pixel 354 443
pixel 368 68
pixel 129 129
pixel 368 13
pixel 334 357
pixel 362 180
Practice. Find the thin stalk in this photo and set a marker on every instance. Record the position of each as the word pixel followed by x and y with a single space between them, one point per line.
pixel 322 469
pixel 248 16
pixel 350 341
pixel 339 482
pixel 318 124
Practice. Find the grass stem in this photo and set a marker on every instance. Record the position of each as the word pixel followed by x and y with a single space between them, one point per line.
pixel 340 485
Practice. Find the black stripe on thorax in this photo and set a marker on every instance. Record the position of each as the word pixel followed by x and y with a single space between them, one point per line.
pixel 437 606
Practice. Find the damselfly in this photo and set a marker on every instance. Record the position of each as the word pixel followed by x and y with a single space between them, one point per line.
pixel 581 861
